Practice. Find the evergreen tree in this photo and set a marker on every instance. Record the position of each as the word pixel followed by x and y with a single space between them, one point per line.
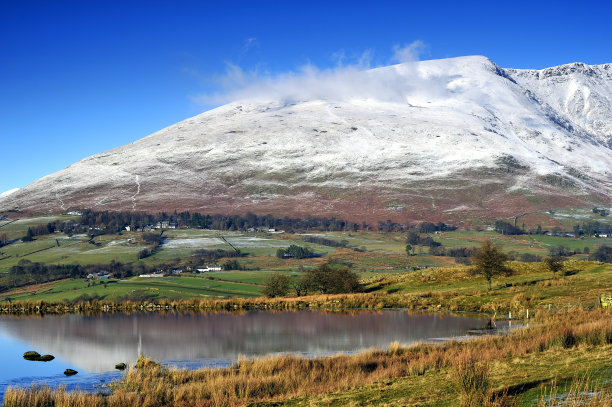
pixel 29 236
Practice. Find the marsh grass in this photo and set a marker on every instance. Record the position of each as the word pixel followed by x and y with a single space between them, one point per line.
pixel 471 376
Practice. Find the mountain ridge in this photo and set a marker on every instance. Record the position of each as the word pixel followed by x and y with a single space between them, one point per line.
pixel 441 139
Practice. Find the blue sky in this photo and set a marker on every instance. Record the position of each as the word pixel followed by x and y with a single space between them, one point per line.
pixel 78 78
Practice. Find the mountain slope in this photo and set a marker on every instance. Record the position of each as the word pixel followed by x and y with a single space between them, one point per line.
pixel 441 139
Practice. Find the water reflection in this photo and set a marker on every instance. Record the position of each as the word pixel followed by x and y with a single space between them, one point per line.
pixel 96 343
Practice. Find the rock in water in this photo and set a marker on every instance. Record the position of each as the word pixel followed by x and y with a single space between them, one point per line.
pixel 31 355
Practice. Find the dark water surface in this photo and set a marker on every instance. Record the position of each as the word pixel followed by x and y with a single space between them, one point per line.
pixel 93 345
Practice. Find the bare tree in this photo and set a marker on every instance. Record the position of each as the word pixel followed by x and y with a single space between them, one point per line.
pixel 489 261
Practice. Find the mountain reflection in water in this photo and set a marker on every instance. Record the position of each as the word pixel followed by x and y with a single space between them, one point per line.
pixel 96 343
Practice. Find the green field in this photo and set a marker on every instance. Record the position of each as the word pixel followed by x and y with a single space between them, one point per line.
pixel 260 248
pixel 138 288
pixel 373 254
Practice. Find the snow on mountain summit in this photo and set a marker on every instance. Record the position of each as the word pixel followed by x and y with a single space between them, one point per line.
pixel 411 140
pixel 580 92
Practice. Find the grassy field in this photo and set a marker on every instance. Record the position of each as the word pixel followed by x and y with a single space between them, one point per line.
pixel 372 254
pixel 531 287
pixel 172 288
pixel 58 248
pixel 16 228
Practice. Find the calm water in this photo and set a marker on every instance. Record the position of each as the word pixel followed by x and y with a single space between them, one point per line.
pixel 93 345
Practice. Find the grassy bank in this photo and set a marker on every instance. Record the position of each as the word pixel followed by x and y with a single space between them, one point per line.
pixel 532 287
pixel 518 368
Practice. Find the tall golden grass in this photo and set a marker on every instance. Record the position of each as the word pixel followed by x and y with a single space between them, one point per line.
pixel 287 376
pixel 471 377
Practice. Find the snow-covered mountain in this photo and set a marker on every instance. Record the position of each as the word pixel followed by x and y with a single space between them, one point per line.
pixel 441 139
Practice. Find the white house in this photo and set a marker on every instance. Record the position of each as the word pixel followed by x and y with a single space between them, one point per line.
pixel 205 269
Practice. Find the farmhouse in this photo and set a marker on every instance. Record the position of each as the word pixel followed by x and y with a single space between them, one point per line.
pixel 101 275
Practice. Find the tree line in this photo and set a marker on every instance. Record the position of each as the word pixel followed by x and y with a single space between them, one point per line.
pixel 587 229
pixel 27 272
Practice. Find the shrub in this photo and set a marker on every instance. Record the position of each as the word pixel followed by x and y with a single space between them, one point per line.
pixel 295 251
pixel 568 339
pixel 332 280
pixel 602 254
pixel 144 253
pixel 232 265
pixel 276 285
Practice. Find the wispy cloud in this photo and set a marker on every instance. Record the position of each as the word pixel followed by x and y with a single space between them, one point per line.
pixel 354 80
pixel 248 44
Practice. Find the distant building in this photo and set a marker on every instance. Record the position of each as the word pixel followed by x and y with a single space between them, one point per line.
pixel 100 275
pixel 165 225
pixel 205 269
pixel 151 275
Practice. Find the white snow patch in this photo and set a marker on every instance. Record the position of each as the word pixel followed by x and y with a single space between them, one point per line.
pixel 198 242
pixel 137 192
pixel 9 192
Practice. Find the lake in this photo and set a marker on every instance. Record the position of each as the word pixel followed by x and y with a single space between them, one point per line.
pixel 92 345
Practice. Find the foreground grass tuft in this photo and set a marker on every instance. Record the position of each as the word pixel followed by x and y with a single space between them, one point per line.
pixel 471 377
